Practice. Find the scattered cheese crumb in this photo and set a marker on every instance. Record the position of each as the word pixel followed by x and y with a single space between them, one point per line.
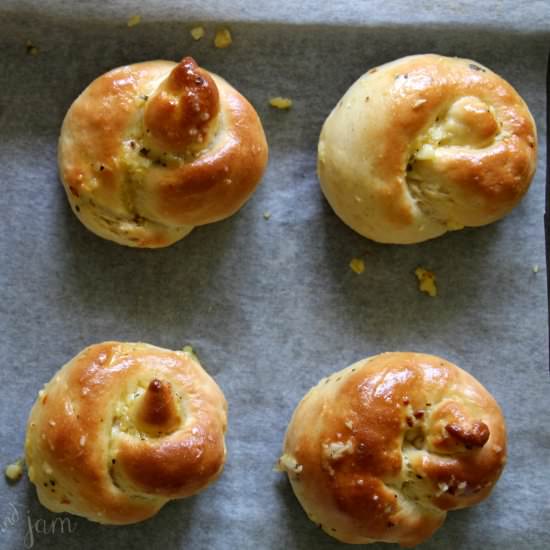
pixel 288 464
pixel 223 39
pixel 14 471
pixel 337 449
pixel 357 265
pixel 31 48
pixel 134 20
pixel 535 268
pixel 426 152
pixel 281 102
pixel 82 440
pixel 189 349
pixel 419 102
pixel 426 280
pixel 349 424
pixel 197 32
pixel 267 215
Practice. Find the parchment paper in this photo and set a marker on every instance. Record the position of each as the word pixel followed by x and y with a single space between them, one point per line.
pixel 271 306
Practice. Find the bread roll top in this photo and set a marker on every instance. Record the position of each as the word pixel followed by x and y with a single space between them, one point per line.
pixel 123 428
pixel 381 450
pixel 150 150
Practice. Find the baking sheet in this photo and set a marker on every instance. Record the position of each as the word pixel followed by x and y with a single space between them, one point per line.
pixel 271 306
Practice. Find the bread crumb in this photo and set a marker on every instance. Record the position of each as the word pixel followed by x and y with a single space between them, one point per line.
pixel 14 471
pixel 426 280
pixel 31 48
pixel 281 102
pixel 223 39
pixel 197 32
pixel 267 215
pixel 357 265
pixel 535 268
pixel 134 20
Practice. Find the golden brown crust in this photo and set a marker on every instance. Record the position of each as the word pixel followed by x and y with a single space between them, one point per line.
pixel 217 183
pixel 122 429
pixel 150 150
pixel 184 108
pixel 426 144
pixel 381 450
pixel 158 412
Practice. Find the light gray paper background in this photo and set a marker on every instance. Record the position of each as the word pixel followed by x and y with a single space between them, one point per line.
pixel 271 306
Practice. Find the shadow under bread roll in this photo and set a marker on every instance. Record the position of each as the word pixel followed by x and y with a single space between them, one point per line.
pixel 149 151
pixel 122 429
pixel 380 451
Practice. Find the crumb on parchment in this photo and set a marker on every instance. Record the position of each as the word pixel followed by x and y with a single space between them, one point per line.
pixel 426 281
pixel 536 268
pixel 14 471
pixel 281 102
pixel 267 215
pixel 197 32
pixel 31 48
pixel 223 39
pixel 134 20
pixel 357 265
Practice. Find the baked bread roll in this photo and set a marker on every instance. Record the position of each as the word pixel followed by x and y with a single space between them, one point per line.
pixel 148 151
pixel 382 449
pixel 122 429
pixel 424 145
